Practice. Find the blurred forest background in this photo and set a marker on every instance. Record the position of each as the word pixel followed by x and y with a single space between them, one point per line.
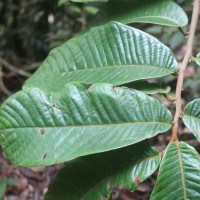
pixel 28 31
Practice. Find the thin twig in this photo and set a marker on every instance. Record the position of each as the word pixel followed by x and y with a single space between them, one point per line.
pixel 32 66
pixel 2 86
pixel 13 68
pixel 187 57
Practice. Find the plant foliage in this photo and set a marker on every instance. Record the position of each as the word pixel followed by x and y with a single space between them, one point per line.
pixel 101 172
pixel 112 53
pixel 179 173
pixel 197 59
pixel 87 105
pixel 163 12
pixel 77 120
pixel 191 117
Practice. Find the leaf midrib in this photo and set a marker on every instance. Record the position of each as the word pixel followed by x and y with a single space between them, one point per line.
pixel 89 125
pixel 188 115
pixel 181 170
pixel 109 67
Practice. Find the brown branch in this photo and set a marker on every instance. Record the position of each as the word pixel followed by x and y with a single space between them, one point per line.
pixel 187 57
pixel 32 66
pixel 5 63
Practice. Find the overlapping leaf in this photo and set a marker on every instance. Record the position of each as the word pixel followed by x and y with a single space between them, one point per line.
pixel 94 176
pixel 41 128
pixel 148 88
pixel 164 12
pixel 112 53
pixel 191 117
pixel 179 175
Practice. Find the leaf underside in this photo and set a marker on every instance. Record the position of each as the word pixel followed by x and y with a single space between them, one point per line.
pixel 191 117
pixel 179 175
pixel 113 53
pixel 94 176
pixel 163 12
pixel 41 128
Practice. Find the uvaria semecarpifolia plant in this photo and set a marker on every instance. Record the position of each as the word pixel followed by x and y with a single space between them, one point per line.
pixel 88 105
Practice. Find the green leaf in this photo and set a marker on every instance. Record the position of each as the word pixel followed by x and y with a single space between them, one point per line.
pixel 2 188
pixel 94 176
pixel 197 59
pixel 41 128
pixel 179 175
pixel 148 88
pixel 74 8
pixel 60 2
pixel 163 12
pixel 91 9
pixel 112 53
pixel 191 117
pixel 12 181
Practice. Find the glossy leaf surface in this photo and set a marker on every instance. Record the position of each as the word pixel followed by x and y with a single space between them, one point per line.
pixel 179 175
pixel 163 12
pixel 94 176
pixel 148 88
pixel 191 117
pixel 41 128
pixel 113 53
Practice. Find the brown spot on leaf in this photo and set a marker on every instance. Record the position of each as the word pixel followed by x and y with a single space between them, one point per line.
pixel 113 87
pixel 90 88
pixel 42 131
pixel 53 105
pixel 138 180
